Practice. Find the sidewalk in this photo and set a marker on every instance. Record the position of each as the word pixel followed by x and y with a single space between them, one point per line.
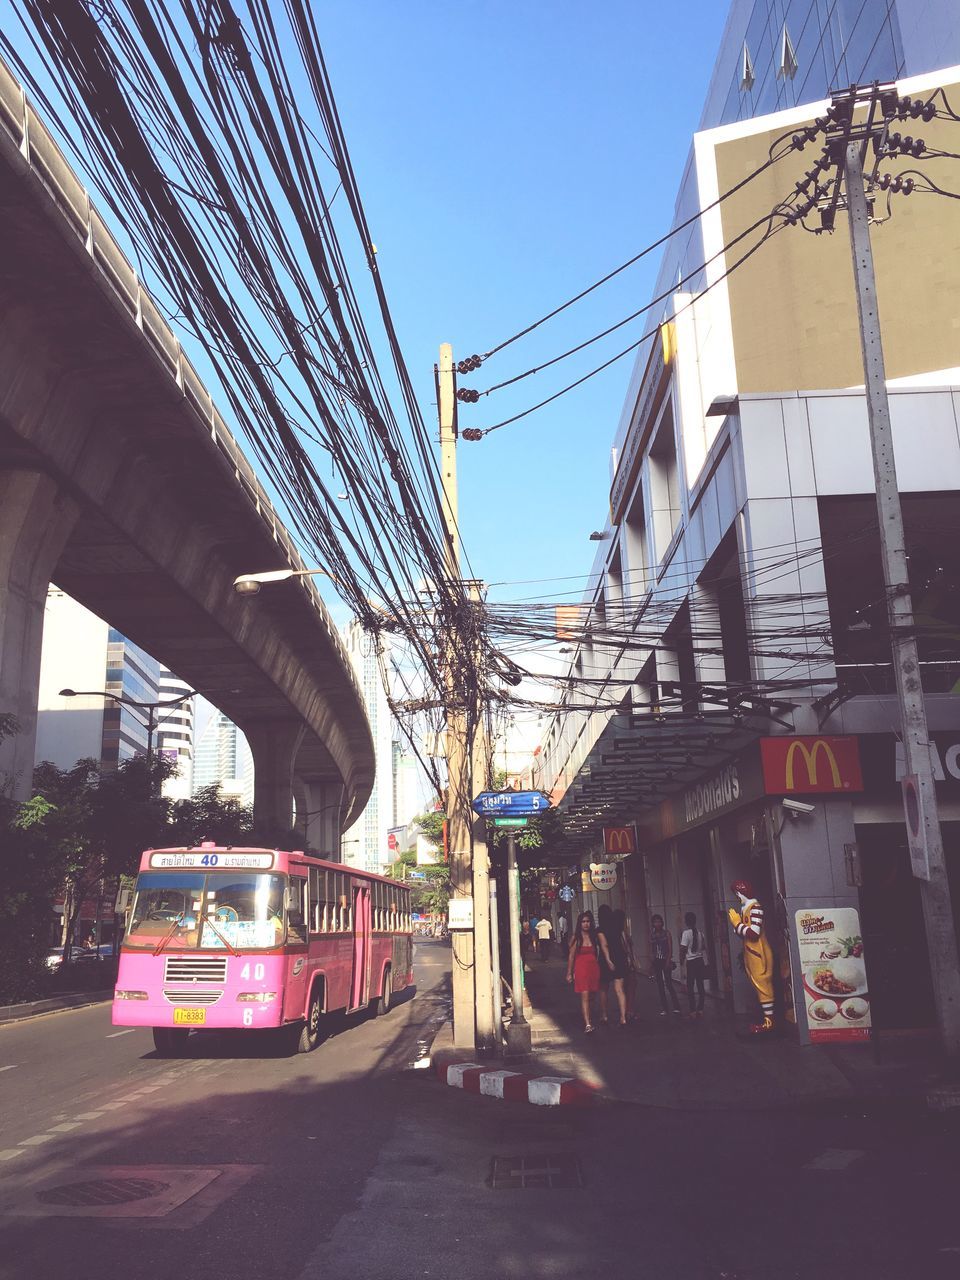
pixel 33 1008
pixel 707 1064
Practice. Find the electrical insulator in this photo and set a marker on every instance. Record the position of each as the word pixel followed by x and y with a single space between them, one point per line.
pixel 471 433
pixel 467 395
pixel 469 365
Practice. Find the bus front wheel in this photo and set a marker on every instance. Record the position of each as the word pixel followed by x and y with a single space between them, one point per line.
pixel 170 1042
pixel 309 1036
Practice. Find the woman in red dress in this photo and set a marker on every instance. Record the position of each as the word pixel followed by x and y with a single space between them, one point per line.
pixel 587 950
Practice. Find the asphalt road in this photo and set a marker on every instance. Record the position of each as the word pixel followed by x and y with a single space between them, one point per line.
pixel 345 1164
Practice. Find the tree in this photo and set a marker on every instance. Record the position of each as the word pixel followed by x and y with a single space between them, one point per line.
pixel 432 894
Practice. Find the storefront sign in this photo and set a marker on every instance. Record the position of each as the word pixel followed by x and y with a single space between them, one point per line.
pixel 834 975
pixel 619 840
pixel 720 792
pixel 810 766
pixel 603 875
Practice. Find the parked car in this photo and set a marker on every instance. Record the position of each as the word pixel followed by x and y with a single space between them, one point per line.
pixel 79 955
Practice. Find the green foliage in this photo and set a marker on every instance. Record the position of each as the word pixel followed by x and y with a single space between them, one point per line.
pixel 433 894
pixel 80 827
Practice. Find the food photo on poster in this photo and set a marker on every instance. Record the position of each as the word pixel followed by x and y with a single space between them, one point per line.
pixel 834 974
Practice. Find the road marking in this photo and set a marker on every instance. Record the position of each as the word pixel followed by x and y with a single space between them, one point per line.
pixel 65 1127
pixel 833 1159
pixel 12 1067
pixel 112 1106
pixel 88 1115
pixel 10 1153
pixel 36 1141
pixel 129 1032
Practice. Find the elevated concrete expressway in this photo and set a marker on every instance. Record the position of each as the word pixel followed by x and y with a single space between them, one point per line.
pixel 120 483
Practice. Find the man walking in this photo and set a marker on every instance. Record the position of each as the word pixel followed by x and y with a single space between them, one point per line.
pixel 544 934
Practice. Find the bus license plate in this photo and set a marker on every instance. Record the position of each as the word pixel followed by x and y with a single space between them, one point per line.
pixel 190 1017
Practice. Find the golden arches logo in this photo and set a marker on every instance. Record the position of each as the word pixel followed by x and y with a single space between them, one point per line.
pixel 618 839
pixel 810 755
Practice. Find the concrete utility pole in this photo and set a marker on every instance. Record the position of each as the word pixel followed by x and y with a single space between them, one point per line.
pixel 474 1023
pixel 935 890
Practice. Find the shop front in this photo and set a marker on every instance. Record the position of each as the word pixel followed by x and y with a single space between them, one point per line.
pixel 777 818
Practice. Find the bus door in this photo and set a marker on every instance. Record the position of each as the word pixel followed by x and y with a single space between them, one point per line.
pixel 360 983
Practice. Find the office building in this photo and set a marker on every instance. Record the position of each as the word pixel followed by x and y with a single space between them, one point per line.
pixel 222 757
pixel 739 613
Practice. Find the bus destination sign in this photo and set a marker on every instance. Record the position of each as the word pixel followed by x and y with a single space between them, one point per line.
pixel 220 859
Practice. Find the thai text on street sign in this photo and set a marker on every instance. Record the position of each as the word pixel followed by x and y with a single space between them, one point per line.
pixel 512 804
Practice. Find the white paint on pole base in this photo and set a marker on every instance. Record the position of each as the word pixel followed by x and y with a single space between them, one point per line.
pixel 455 1072
pixel 491 1082
pixel 544 1091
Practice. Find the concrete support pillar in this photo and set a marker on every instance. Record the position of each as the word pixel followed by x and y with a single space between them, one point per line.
pixel 318 815
pixel 36 519
pixel 274 744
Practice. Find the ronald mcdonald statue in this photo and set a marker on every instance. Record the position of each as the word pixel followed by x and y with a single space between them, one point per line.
pixel 758 960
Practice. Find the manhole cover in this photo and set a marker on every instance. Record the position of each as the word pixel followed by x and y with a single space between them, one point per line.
pixel 553 1172
pixel 103 1191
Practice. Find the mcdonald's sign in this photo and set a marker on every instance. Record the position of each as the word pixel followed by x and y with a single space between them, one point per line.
pixel 807 766
pixel 622 840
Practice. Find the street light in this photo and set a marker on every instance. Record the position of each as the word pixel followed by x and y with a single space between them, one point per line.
pixel 151 722
pixel 249 584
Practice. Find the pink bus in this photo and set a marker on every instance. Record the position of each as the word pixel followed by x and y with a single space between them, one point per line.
pixel 256 938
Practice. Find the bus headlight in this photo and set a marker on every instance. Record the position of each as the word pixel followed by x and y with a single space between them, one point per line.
pixel 131 995
pixel 261 997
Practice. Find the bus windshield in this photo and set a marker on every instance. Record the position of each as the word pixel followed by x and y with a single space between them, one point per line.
pixel 190 909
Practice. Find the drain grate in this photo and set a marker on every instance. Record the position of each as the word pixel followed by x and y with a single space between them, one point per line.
pixel 103 1191
pixel 553 1172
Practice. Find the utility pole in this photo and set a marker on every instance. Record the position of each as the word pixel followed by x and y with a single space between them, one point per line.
pixel 935 890
pixel 474 1024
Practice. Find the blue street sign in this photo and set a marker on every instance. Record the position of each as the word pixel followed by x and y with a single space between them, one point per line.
pixel 512 804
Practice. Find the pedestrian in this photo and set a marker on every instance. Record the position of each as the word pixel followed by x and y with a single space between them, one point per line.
pixel 526 941
pixel 583 964
pixel 534 921
pixel 693 953
pixel 661 951
pixel 563 928
pixel 630 981
pixel 614 971
pixel 544 934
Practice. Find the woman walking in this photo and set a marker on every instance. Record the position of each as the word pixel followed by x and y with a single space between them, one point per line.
pixel 693 951
pixel 583 963
pixel 661 950
pixel 615 972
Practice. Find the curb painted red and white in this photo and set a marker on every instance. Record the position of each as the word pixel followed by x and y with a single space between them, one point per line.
pixel 516 1086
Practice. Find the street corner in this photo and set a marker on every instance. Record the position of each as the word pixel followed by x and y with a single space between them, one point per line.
pixel 515 1086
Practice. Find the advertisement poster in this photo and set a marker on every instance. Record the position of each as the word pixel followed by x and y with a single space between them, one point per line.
pixel 834 974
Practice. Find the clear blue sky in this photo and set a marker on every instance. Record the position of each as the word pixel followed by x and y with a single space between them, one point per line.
pixel 509 152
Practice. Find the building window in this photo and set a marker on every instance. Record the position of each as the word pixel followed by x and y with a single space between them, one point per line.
pixel 664 485
pixel 747 77
pixel 787 63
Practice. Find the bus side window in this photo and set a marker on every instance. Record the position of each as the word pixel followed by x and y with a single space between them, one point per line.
pixel 296 915
pixel 316 900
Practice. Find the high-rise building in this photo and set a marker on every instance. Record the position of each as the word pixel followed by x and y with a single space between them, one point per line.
pixel 82 652
pixel 365 844
pixel 174 734
pixel 222 757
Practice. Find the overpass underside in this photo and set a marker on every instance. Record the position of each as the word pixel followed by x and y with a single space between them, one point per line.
pixel 120 484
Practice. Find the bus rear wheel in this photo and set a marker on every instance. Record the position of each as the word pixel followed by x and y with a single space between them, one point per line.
pixel 386 995
pixel 170 1042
